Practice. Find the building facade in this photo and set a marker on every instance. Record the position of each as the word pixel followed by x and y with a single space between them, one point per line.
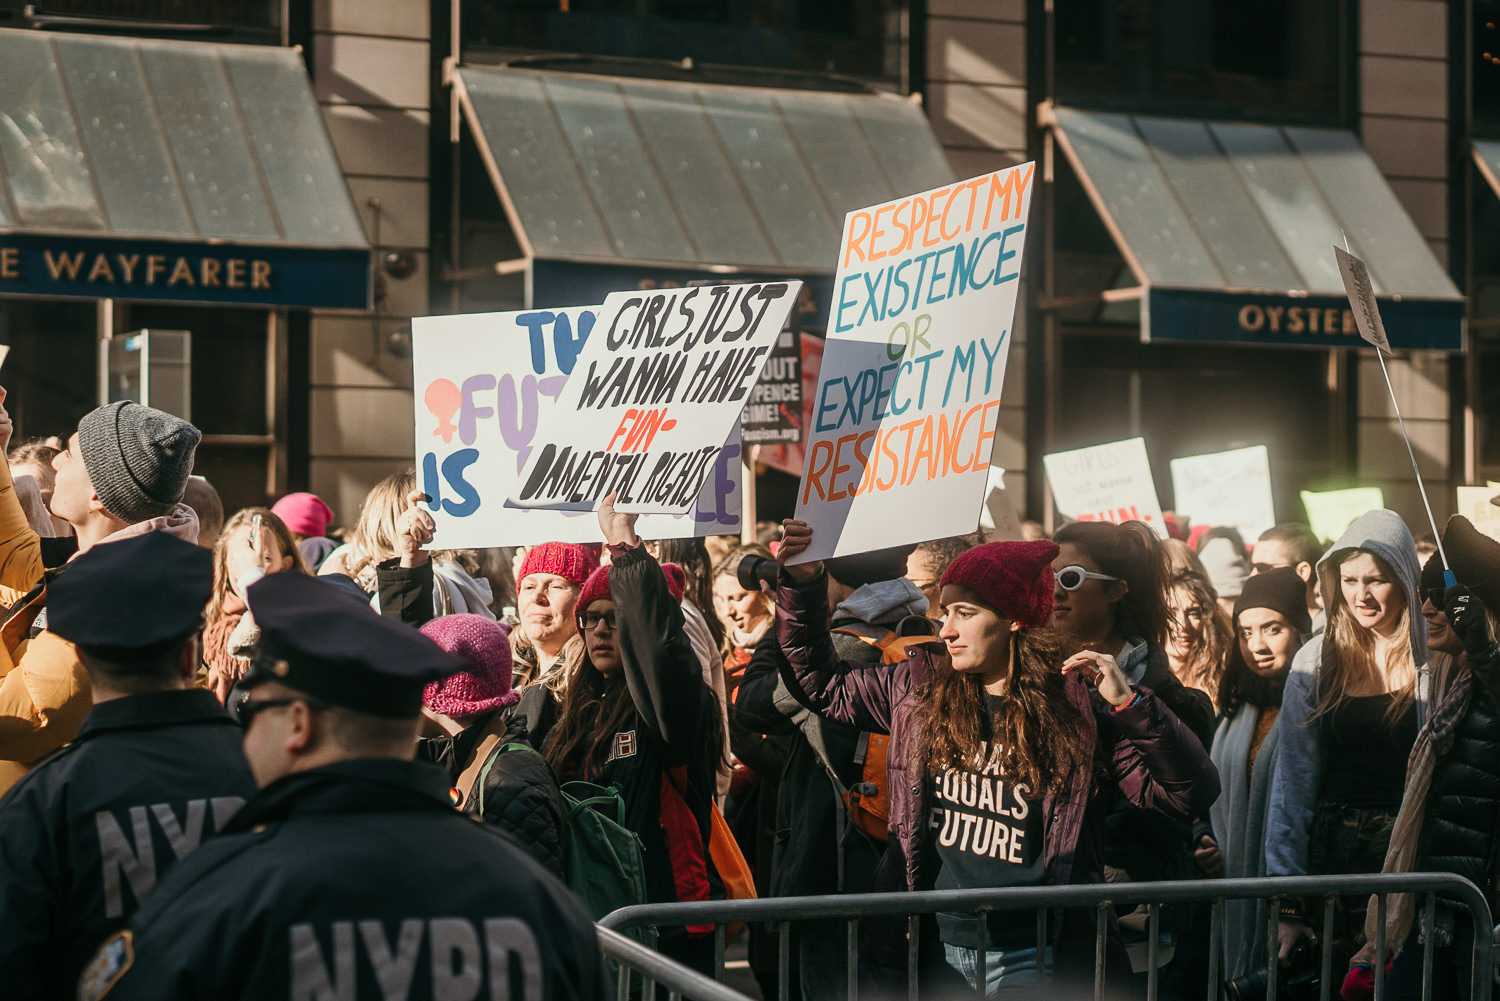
pixel 1229 120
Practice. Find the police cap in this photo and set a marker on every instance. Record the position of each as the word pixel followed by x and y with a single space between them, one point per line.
pixel 334 647
pixel 128 599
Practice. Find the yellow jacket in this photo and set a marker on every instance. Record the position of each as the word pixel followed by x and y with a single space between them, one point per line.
pixel 44 689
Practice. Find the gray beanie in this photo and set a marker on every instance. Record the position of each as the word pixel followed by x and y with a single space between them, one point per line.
pixel 138 458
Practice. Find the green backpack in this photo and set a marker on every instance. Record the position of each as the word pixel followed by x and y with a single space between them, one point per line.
pixel 604 864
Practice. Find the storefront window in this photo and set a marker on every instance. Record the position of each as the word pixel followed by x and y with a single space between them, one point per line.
pixel 262 15
pixel 49 373
pixel 1279 59
pixel 230 399
pixel 1486 42
pixel 856 37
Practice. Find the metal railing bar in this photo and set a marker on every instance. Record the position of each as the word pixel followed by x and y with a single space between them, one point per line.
pixel 913 954
pixel 1041 946
pixel 1273 943
pixel 1215 944
pixel 1153 949
pixel 655 967
pixel 1325 973
pixel 719 950
pixel 982 952
pixel 1380 907
pixel 851 960
pixel 1101 931
pixel 1429 913
pixel 784 960
pixel 840 906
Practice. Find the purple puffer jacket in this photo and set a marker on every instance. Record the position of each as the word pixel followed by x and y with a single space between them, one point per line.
pixel 1150 757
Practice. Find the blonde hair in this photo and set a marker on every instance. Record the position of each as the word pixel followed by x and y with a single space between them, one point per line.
pixel 1204 662
pixel 377 534
pixel 1349 650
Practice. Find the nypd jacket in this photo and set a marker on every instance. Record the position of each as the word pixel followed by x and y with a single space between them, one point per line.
pixel 85 835
pixel 356 880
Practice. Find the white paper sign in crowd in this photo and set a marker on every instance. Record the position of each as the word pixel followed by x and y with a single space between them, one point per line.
pixel 655 390
pixel 1110 482
pixel 482 380
pixel 1230 488
pixel 903 421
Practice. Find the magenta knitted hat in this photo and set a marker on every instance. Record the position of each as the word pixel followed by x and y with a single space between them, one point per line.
pixel 304 514
pixel 484 645
pixel 566 559
pixel 1013 578
pixel 597 586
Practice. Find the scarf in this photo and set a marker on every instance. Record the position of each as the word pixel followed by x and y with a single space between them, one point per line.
pixel 1239 823
pixel 1452 685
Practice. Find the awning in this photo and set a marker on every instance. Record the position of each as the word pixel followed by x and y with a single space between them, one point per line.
pixel 633 172
pixel 138 169
pixel 1229 229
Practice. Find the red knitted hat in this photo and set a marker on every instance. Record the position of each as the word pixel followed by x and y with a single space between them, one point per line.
pixel 484 646
pixel 566 559
pixel 1013 578
pixel 597 585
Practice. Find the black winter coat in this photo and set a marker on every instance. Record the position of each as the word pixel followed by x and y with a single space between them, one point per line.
pixel 1463 806
pixel 675 724
pixel 520 796
pixel 355 880
pixel 86 835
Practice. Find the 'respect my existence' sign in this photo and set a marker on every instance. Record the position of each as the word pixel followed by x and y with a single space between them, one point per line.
pixel 481 381
pixel 909 390
pixel 656 389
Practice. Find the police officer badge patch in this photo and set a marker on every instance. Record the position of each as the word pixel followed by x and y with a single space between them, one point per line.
pixel 111 961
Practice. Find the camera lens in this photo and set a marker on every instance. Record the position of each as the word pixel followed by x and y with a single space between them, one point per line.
pixel 755 570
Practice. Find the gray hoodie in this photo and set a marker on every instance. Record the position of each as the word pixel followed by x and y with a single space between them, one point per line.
pixel 1300 764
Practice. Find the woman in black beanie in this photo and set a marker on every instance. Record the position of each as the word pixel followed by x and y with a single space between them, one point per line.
pixel 1270 623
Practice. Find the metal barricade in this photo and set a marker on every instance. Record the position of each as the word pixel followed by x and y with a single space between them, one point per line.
pixel 1101 897
pixel 655 972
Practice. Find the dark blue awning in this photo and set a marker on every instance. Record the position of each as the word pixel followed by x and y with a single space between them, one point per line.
pixel 1229 229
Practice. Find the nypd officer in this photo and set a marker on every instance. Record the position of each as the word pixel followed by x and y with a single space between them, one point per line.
pixel 349 875
pixel 156 767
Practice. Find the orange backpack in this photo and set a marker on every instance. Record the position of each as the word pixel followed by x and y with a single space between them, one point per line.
pixel 869 800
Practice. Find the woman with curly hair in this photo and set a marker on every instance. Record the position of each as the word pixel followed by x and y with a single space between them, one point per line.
pixel 1004 752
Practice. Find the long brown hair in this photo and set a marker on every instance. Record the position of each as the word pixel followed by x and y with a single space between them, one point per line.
pixel 1205 661
pixel 1036 727
pixel 592 710
pixel 1132 553
pixel 271 523
pixel 1349 648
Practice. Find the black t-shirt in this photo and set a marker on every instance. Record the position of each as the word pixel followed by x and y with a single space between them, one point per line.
pixel 988 832
pixel 1367 752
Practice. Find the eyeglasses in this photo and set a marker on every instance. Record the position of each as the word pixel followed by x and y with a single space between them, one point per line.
pixel 244 709
pixel 1268 567
pixel 1071 578
pixel 1434 595
pixel 588 621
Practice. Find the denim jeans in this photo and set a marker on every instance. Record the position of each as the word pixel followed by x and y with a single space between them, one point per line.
pixel 1012 970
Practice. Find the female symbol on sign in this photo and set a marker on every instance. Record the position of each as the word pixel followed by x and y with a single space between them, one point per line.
pixel 442 399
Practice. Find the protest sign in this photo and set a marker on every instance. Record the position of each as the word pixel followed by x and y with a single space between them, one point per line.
pixel 1231 488
pixel 651 397
pixel 1329 512
pixel 1110 482
pixel 774 413
pixel 1361 293
pixel 913 363
pixel 1475 504
pixel 788 457
pixel 998 517
pixel 481 380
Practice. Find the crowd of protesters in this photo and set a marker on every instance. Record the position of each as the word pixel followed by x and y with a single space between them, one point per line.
pixel 398 813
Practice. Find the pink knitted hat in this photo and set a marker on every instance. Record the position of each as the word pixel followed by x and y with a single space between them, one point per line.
pixel 484 645
pixel 566 559
pixel 1013 578
pixel 304 514
pixel 597 586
